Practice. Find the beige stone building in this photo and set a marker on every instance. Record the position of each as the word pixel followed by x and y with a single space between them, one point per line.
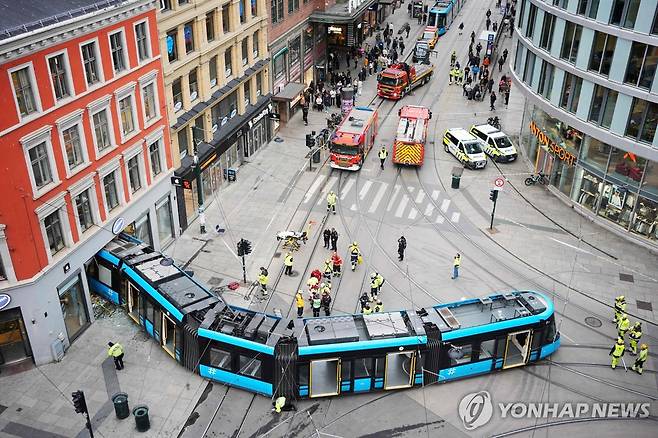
pixel 215 60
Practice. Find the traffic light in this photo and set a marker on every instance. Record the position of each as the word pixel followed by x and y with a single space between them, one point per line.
pixel 79 402
pixel 310 141
pixel 493 195
pixel 244 247
pixel 240 248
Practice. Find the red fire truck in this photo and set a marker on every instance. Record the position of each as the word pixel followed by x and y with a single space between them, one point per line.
pixel 353 138
pixel 409 145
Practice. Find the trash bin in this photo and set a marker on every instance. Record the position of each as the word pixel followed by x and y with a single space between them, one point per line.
pixel 316 156
pixel 120 401
pixel 141 414
pixel 456 176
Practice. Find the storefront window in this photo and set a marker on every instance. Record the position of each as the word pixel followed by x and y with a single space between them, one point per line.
pixel 294 49
pixel 337 35
pixel 626 167
pixel 14 344
pixel 308 39
pixel 279 66
pixel 165 223
pixel 650 181
pixel 74 309
pixel 594 154
pixel 617 204
pixel 589 189
pixel 319 33
pixel 141 229
pixel 645 218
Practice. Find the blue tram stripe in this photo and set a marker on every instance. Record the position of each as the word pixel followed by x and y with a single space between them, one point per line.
pixel 232 379
pixel 104 291
pixel 233 340
pixel 362 345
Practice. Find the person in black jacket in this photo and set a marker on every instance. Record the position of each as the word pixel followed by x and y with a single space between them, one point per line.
pixel 327 237
pixel 334 239
pixel 402 245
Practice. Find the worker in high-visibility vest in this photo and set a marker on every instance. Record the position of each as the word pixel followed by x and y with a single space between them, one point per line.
pixel 639 362
pixel 623 325
pixel 262 280
pixel 299 300
pixel 288 264
pixel 620 307
pixel 331 201
pixel 634 335
pixel 383 153
pixel 617 352
pixel 355 253
pixel 116 351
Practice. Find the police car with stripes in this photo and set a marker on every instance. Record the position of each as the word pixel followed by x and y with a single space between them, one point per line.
pixel 465 147
pixel 495 143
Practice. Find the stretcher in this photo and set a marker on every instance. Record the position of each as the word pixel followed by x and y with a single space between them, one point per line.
pixel 292 238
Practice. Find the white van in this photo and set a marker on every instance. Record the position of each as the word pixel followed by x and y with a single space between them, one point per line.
pixel 495 143
pixel 465 147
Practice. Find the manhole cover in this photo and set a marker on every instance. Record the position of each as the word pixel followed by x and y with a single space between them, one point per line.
pixel 214 281
pixel 276 255
pixel 593 322
pixel 644 305
pixel 626 277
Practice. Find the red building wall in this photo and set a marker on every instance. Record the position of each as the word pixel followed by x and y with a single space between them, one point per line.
pixel 17 202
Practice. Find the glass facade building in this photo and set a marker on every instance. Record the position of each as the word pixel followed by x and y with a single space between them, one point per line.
pixel 588 71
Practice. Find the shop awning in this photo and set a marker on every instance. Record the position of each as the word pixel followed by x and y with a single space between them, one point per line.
pixel 385 2
pixel 290 92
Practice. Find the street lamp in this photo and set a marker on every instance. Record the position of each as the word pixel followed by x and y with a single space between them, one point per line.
pixel 199 182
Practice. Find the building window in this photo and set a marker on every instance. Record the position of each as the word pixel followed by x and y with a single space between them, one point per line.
pixel 165 222
pixel 529 68
pixel 177 93
pixel 254 8
pixel 588 8
pixel 90 62
pixel 546 40
pixel 654 28
pixel 40 162
pixel 212 71
pixel 226 20
pixel 83 207
pixel 3 271
pixel 165 5
pixel 642 121
pixel 603 49
pixel 188 33
pixel 277 11
pixel 111 191
pixel 210 25
pixel 571 92
pixel 53 225
pixel 641 65
pixel 156 159
pixel 127 115
pixel 228 62
pixel 517 57
pixel 259 84
pixel 134 178
pixel 293 5
pixel 183 143
pixel 624 13
pixel 571 42
pixel 118 52
pixel 193 85
pixel 308 39
pixel 183 2
pixel 243 11
pixel 73 146
pixel 150 102
pixel 245 52
pixel 255 43
pixel 59 77
pixel 295 47
pixel 172 45
pixel 24 91
pixel 102 129
pixel 603 106
pixel 532 16
pixel 546 80
pixel 142 39
pixel 279 66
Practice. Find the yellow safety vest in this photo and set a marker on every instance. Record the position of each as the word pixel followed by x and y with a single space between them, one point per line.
pixel 643 355
pixel 624 324
pixel 300 301
pixel 115 350
pixel 457 261
pixel 288 260
pixel 367 311
pixel 619 350
pixel 279 403
pixel 331 199
pixel 262 279
pixel 383 154
pixel 635 334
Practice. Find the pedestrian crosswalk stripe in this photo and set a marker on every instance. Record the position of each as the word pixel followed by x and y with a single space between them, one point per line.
pixel 435 194
pixel 429 209
pixel 313 188
pixel 353 207
pixel 412 214
pixel 364 189
pixel 420 197
pixel 396 190
pixel 346 189
pixel 444 205
pixel 411 189
pixel 455 217
pixel 378 197
pixel 402 206
pixel 327 189
pixel 439 219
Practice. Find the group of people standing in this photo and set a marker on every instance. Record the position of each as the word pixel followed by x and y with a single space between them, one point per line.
pixel 634 334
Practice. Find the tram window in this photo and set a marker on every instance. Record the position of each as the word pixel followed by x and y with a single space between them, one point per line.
pixel 302 374
pixel 380 365
pixel 487 348
pixel 220 359
pixel 104 275
pixel 362 367
pixel 148 314
pixel 345 370
pixel 551 332
pixel 537 338
pixel 500 350
pixel 460 354
pixel 250 366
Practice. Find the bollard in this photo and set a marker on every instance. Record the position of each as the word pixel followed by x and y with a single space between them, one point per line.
pixel 120 401
pixel 316 156
pixel 456 176
pixel 141 414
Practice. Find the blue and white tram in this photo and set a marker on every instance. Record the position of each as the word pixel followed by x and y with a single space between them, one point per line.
pixel 442 14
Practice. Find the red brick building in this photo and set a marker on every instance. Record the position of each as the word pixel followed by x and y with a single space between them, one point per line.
pixel 85 152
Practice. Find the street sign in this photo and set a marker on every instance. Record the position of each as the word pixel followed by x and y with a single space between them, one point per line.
pixel 177 181
pixel 499 182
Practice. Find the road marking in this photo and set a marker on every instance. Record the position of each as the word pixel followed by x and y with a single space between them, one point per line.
pixel 570 246
pixel 420 197
pixel 435 194
pixel 402 206
pixel 378 198
pixel 455 217
pixel 413 213
pixel 396 190
pixel 346 188
pixel 313 188
pixel 439 219
pixel 353 207
pixel 562 334
pixel 364 190
pixel 429 210
pixel 327 189
pixel 444 205
pixel 411 189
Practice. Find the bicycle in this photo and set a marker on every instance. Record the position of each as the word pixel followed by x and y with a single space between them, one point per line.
pixel 536 178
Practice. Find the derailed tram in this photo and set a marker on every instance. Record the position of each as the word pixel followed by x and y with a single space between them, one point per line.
pixel 320 357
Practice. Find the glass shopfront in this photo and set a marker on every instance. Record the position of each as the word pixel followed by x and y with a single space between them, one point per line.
pixel 618 186
pixel 14 343
pixel 74 308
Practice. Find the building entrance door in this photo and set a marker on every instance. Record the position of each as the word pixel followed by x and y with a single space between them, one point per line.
pixel 14 345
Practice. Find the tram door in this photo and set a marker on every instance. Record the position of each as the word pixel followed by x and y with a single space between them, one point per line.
pixel 133 302
pixel 325 378
pixel 169 335
pixel 517 349
pixel 399 369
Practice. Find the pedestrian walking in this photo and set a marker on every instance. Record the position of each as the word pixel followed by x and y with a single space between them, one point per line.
pixel 116 351
pixel 473 37
pixel 331 202
pixel 334 239
pixel 490 84
pixel 506 97
pixel 620 307
pixel 262 280
pixel 288 263
pixel 326 303
pixel 487 23
pixel 505 52
pixel 639 362
pixel 501 61
pixel 488 13
pixel 326 235
pixel 317 304
pixel 380 281
pixel 337 262
pixel 402 245
pixel 408 29
pixel 299 300
pixel 494 27
pixel 456 263
pixel 401 46
pixel 453 58
pixel 634 335
pixel 424 18
pixel 623 325
pixel 492 100
pixel 461 28
pixel 305 113
pixel 383 153
pixel 478 48
pixel 617 352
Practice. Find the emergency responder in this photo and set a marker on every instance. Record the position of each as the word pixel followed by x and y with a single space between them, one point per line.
pixel 374 289
pixel 262 280
pixel 634 335
pixel 460 75
pixel 623 325
pixel 116 351
pixel 367 310
pixel 456 263
pixel 617 352
pixel 312 283
pixel 451 74
pixel 380 281
pixel 620 307
pixel 299 300
pixel 288 263
pixel 382 156
pixel 316 303
pixel 331 202
pixel 364 300
pixel 326 303
pixel 355 253
pixel 334 239
pixel 379 307
pixel 402 245
pixel 336 262
pixel 453 58
pixel 639 362
pixel 280 404
pixel 326 235
pixel 328 269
